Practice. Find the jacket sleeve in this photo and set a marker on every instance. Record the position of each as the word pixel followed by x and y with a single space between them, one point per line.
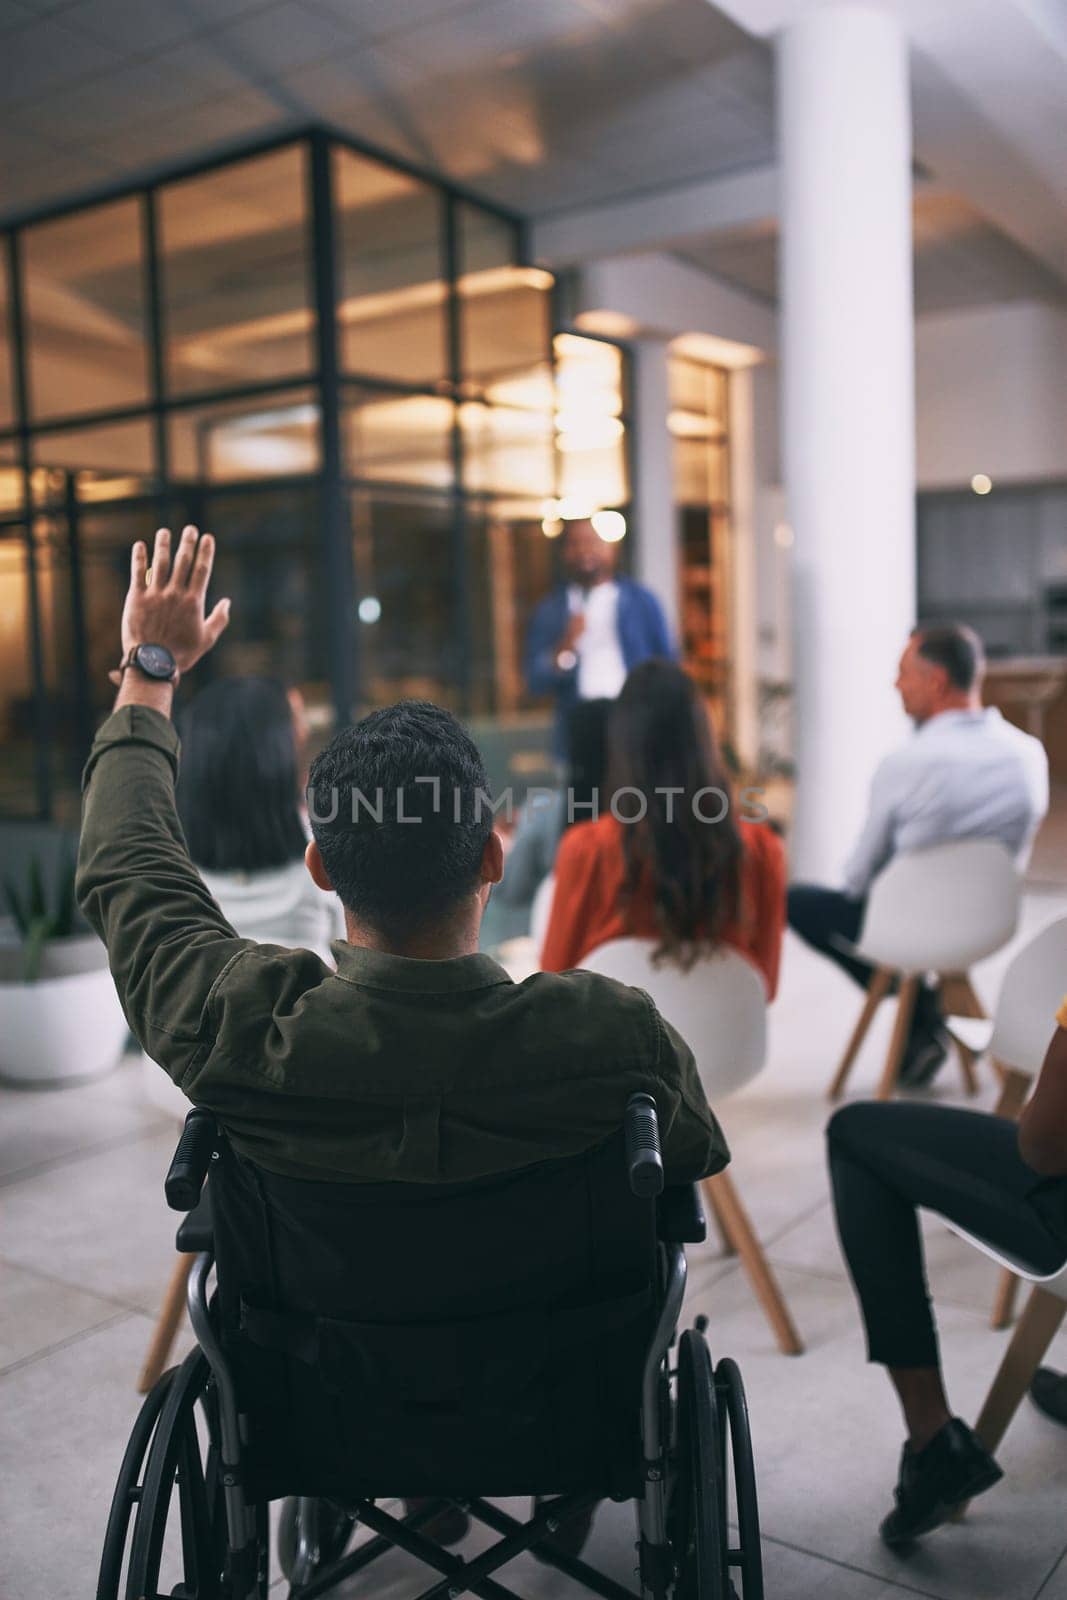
pixel 694 1145
pixel 661 643
pixel 168 943
pixel 539 661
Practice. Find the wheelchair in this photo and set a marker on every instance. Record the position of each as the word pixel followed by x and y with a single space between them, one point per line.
pixel 434 1348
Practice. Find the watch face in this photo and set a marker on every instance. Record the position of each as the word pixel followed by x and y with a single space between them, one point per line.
pixel 156 660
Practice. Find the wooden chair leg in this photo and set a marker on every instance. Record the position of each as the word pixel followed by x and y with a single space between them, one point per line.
pixel 1038 1325
pixel 909 990
pixel 977 1008
pixel 968 1061
pixel 1004 1304
pixel 726 1202
pixel 170 1316
pixel 958 999
pixel 876 992
pixel 727 1243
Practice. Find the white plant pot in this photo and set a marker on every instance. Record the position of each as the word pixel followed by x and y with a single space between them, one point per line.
pixel 65 1028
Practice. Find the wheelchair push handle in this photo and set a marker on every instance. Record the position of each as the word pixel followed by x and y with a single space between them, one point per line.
pixel 190 1161
pixel 644 1159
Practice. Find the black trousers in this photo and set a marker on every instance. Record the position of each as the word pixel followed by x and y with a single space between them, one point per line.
pixel 823 916
pixel 888 1160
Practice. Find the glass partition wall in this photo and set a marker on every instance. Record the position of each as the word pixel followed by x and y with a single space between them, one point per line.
pixel 345 371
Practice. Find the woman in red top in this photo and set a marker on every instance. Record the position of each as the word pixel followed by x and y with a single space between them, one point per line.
pixel 677 875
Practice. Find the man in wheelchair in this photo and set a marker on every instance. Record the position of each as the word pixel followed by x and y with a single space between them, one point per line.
pixel 442 1269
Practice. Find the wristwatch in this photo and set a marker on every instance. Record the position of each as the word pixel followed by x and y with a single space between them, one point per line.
pixel 154 660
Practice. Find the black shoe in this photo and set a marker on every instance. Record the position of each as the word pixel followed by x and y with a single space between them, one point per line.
pixel 1048 1391
pixel 954 1467
pixel 924 1057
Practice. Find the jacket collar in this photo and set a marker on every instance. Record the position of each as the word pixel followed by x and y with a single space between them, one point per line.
pixel 375 969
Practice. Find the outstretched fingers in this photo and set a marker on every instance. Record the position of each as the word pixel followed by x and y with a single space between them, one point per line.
pixel 183 561
pixel 160 568
pixel 216 623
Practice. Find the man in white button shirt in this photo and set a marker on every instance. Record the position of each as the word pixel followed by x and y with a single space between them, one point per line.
pixel 966 773
pixel 590 632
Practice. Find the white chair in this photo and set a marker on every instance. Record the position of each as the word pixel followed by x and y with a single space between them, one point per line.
pixel 720 1008
pixel 1023 1024
pixel 939 911
pixel 541 910
pixel 1038 1326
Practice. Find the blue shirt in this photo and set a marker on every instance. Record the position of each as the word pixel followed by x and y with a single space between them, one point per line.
pixel 963 775
pixel 643 633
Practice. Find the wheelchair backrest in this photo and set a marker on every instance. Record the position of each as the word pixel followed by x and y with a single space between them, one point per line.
pixel 396 1339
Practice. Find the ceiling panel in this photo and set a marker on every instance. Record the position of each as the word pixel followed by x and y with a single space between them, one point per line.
pixel 538 102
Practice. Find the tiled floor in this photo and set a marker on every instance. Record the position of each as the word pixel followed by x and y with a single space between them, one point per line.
pixel 85 1251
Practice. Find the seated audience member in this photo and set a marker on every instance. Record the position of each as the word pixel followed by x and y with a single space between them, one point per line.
pixel 531 855
pixel 238 800
pixel 965 773
pixel 1004 1182
pixel 316 1074
pixel 688 873
pixel 418 1060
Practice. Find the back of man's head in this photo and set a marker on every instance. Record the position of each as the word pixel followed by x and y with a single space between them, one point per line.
pixel 956 648
pixel 399 807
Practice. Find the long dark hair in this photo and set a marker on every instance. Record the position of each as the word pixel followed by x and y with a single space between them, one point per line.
pixel 237 788
pixel 660 737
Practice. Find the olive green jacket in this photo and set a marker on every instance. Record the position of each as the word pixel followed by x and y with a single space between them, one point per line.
pixel 388 1068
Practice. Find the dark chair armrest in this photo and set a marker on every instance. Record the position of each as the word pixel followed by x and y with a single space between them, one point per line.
pixel 681 1215
pixel 196 1231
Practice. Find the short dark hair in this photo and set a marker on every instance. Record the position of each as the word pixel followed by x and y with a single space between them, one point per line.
pixel 955 647
pixel 238 791
pixel 409 761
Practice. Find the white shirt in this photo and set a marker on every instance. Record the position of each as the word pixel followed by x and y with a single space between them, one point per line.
pixel 601 667
pixel 963 775
pixel 280 905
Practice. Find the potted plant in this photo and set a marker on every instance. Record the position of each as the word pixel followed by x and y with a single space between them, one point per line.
pixel 60 1018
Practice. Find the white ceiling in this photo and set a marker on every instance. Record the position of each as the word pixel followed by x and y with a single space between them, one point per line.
pixel 546 106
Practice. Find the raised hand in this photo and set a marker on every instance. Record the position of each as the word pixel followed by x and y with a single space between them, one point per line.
pixel 165 603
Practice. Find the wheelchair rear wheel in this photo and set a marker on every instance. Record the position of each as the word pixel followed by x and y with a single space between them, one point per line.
pixel 171 1472
pixel 747 1559
pixel 128 1490
pixel 697 1527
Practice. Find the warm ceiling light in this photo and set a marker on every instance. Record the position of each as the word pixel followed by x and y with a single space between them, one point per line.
pixel 369 608
pixel 552 527
pixel 610 525
pixel 572 509
pixel 981 483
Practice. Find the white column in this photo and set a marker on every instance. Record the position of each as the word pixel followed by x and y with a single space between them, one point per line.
pixel 656 555
pixel 848 407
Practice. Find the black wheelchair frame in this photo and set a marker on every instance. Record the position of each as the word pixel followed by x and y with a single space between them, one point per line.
pixel 190 1445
